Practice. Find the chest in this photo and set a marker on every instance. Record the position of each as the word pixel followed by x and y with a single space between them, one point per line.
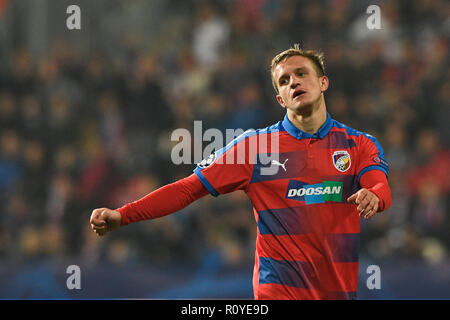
pixel 334 155
pixel 319 158
pixel 309 170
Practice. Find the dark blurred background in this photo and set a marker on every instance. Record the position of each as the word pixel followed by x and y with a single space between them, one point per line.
pixel 86 118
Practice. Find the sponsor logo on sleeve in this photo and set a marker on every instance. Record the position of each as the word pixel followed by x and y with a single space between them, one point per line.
pixel 380 161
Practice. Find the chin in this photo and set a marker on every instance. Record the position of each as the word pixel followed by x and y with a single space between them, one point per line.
pixel 302 107
pixel 305 106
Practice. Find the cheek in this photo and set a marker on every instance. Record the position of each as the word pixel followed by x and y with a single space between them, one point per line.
pixel 284 96
pixel 316 88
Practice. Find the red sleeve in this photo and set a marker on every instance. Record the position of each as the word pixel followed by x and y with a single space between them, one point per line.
pixel 371 156
pixel 376 182
pixel 229 168
pixel 168 199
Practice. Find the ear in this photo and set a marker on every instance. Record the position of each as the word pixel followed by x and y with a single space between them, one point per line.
pixel 324 83
pixel 280 101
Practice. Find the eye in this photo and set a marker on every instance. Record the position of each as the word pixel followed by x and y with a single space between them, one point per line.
pixel 283 81
pixel 301 74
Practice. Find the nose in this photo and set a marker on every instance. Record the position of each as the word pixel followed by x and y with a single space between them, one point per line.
pixel 294 82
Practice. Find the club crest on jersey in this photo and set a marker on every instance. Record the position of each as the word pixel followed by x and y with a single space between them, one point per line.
pixel 341 160
pixel 208 161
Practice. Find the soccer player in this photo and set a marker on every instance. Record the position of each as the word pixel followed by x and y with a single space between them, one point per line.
pixel 328 176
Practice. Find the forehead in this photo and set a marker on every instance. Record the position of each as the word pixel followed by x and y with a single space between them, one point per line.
pixel 292 63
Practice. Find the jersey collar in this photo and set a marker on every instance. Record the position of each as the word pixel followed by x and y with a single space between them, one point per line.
pixel 299 134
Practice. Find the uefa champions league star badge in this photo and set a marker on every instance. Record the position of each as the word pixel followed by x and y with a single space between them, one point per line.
pixel 341 160
pixel 208 161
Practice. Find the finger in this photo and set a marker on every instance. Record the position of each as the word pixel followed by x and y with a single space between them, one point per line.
pixel 374 208
pixel 100 232
pixel 363 205
pixel 98 223
pixel 372 212
pixel 94 215
pixel 362 194
pixel 98 228
pixel 368 214
pixel 363 212
pixel 97 214
pixel 97 219
pixel 352 198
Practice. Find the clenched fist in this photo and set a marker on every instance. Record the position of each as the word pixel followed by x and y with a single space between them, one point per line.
pixel 368 203
pixel 104 220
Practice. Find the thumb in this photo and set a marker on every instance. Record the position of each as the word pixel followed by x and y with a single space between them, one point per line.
pixel 352 198
pixel 96 217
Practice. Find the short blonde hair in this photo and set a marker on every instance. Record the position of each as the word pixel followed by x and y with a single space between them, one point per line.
pixel 316 57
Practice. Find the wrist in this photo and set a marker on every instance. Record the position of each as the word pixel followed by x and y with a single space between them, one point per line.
pixel 376 191
pixel 123 215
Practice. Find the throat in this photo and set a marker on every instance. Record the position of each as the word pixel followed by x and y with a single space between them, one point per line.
pixel 309 122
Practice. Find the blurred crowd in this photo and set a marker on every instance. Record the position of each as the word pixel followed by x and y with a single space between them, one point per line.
pixel 78 132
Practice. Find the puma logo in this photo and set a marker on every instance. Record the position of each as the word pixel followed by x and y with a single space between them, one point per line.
pixel 283 165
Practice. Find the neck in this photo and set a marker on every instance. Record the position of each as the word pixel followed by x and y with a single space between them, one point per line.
pixel 310 120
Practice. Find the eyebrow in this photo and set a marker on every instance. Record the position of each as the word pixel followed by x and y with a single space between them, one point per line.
pixel 285 75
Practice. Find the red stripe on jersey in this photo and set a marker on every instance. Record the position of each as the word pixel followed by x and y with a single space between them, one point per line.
pixel 310 247
pixel 348 275
pixel 321 219
pixel 303 247
pixel 330 259
pixel 340 283
pixel 274 291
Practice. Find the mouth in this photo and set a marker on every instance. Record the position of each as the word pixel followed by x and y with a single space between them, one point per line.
pixel 298 93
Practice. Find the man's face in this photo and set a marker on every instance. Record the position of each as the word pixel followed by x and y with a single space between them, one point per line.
pixel 299 86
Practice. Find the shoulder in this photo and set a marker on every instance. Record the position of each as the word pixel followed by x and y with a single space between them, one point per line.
pixel 249 135
pixel 349 130
pixel 274 128
pixel 362 139
pixel 277 127
pixel 359 135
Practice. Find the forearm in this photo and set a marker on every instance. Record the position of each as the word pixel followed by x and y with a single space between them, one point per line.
pixel 376 182
pixel 163 201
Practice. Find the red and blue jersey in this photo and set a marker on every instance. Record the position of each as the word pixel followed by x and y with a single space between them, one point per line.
pixel 307 244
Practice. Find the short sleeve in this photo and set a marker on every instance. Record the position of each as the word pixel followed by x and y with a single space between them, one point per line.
pixel 371 156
